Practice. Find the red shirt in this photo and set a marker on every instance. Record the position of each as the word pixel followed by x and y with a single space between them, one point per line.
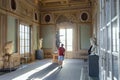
pixel 61 51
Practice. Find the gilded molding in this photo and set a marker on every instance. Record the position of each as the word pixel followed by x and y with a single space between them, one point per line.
pixel 68 16
pixel 23 10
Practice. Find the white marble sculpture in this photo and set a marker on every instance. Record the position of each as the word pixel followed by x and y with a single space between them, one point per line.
pixel 93 44
pixel 40 43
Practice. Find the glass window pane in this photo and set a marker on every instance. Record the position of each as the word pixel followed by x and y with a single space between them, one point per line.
pixel 22 28
pixel 115 67
pixel 108 56
pixel 26 35
pixel 101 39
pixel 22 43
pixel 22 35
pixel 108 38
pixel 24 39
pixel 62 36
pixel 104 39
pixel 21 50
pixel 115 37
pixel 69 39
pixel 69 36
pixel 25 43
pixel 114 8
pixel 27 49
pixel 107 10
pixel 25 28
pixel 102 18
pixel 117 40
pixel 28 43
pixel 66 38
pixel 28 29
pixel 102 3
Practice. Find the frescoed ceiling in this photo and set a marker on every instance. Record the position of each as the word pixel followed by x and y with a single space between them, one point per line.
pixel 61 4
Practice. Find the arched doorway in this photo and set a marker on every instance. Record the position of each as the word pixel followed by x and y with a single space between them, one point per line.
pixel 67 28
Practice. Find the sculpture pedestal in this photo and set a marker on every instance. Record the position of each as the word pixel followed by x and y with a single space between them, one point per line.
pixel 93 61
pixel 39 54
pixel 55 58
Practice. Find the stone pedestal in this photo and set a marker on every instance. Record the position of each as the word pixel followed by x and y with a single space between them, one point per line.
pixel 55 58
pixel 39 54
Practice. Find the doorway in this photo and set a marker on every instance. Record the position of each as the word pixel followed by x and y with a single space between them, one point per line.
pixel 66 38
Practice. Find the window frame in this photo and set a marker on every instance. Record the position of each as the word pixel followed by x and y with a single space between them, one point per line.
pixel 27 30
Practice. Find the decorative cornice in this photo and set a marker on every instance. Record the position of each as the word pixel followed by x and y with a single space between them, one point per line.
pixel 64 9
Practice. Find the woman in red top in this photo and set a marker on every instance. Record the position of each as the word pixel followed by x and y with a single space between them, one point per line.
pixel 61 53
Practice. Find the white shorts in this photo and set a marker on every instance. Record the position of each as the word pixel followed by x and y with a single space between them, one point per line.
pixel 60 58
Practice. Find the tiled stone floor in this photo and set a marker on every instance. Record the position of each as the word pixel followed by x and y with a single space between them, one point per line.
pixel 73 69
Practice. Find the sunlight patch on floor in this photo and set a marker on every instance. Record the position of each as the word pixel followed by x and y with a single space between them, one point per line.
pixel 26 75
pixel 51 72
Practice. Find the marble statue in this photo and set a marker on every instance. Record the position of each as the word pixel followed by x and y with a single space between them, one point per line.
pixel 93 45
pixel 40 43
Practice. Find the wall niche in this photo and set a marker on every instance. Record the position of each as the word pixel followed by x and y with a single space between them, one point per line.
pixel 47 18
pixel 13 4
pixel 36 16
pixel 84 16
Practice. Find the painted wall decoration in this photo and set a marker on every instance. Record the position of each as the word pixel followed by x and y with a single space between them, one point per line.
pixel 47 18
pixel 84 16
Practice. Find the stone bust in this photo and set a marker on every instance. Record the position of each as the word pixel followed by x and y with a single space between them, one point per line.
pixel 93 44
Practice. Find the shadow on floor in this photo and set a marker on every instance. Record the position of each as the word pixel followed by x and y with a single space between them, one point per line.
pixel 43 72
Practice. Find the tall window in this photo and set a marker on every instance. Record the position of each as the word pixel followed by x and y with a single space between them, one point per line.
pixel 66 38
pixel 109 22
pixel 25 34
pixel 115 37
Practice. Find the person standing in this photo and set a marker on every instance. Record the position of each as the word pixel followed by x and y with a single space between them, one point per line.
pixel 61 53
